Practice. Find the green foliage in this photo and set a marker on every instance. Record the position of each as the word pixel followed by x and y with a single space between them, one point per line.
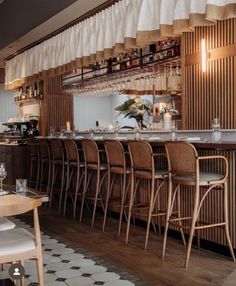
pixel 132 108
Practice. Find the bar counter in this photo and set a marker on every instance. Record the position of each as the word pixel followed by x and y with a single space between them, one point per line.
pixel 16 158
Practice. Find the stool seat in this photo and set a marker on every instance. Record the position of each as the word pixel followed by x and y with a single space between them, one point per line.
pixel 159 174
pixel 95 166
pixel 204 178
pixel 120 170
pixel 6 224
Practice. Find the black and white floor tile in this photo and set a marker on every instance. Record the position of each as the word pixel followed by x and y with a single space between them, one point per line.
pixel 68 266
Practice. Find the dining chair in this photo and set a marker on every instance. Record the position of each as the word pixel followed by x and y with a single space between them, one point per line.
pixel 18 244
pixel 6 224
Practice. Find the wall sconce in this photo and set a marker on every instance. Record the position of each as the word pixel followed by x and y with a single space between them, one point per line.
pixel 203 55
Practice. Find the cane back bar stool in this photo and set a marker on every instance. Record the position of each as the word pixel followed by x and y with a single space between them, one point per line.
pixel 184 169
pixel 143 168
pixel 58 164
pixel 34 162
pixel 117 167
pixel 93 165
pixel 45 165
pixel 75 170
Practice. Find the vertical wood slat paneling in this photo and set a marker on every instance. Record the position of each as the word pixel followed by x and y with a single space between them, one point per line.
pixel 211 94
pixel 56 107
pixel 206 96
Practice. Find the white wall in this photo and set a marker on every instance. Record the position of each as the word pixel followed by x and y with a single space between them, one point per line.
pixel 7 106
pixel 88 109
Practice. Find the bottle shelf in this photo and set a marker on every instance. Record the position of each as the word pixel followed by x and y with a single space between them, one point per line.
pixel 114 66
pixel 27 101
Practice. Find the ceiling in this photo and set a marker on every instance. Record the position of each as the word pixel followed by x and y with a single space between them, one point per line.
pixel 31 20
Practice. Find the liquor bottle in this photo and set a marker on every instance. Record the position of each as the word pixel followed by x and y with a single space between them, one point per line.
pixel 109 65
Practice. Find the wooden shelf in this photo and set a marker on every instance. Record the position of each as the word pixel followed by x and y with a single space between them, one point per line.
pixel 28 100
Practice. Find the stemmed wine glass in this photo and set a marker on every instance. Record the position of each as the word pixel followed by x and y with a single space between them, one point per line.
pixel 3 174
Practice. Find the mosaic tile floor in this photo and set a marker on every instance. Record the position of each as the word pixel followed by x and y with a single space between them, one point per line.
pixel 66 265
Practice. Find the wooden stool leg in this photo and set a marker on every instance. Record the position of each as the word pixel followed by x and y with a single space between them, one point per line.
pixel 67 187
pixel 78 183
pixel 52 183
pixel 62 187
pixel 123 195
pixel 130 208
pixel 179 215
pixel 168 214
pixel 194 220
pixel 226 218
pixel 107 199
pixel 96 196
pixel 150 212
pixel 84 191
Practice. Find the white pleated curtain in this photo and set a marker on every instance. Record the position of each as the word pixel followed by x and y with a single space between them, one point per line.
pixel 125 25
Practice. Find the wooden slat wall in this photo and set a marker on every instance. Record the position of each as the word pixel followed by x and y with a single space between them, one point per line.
pixel 206 96
pixel 210 94
pixel 56 107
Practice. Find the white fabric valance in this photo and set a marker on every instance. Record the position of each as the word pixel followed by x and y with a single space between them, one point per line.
pixel 124 25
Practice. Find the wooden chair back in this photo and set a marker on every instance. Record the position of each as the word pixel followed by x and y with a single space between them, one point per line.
pixel 91 153
pixel 141 155
pixel 71 150
pixel 44 148
pixel 181 158
pixel 115 153
pixel 57 149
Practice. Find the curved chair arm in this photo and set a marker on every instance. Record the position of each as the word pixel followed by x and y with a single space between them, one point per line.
pixel 213 157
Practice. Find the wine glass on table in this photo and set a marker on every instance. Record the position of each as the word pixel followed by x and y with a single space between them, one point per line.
pixel 3 174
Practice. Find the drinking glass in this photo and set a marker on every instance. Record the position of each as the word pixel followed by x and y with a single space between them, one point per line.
pixel 21 185
pixel 3 174
pixel 216 124
pixel 216 134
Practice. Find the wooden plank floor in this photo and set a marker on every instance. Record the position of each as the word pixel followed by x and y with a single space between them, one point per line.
pixel 205 268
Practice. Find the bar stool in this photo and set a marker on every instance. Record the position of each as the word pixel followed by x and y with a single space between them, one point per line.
pixel 75 168
pixel 93 165
pixel 184 169
pixel 34 162
pixel 58 163
pixel 143 168
pixel 45 164
pixel 117 167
